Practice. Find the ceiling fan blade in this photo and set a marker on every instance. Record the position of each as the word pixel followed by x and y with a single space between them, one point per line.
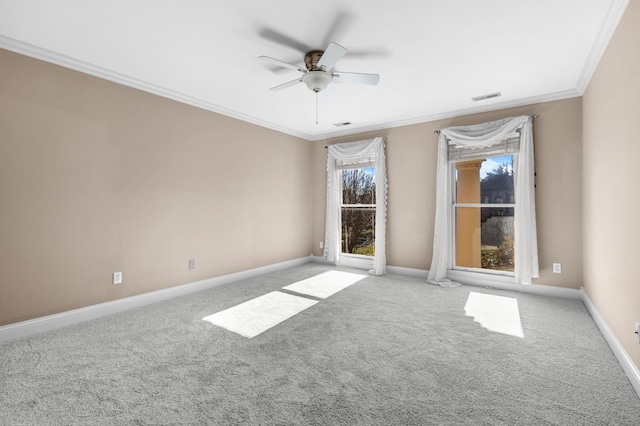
pixel 283 39
pixel 282 63
pixel 329 94
pixel 371 53
pixel 338 27
pixel 285 85
pixel 331 56
pixel 356 77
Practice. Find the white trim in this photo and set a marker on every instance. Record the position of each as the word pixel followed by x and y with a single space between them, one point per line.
pixel 116 77
pixel 618 350
pixel 480 278
pixel 409 272
pixel 320 259
pixel 490 272
pixel 534 100
pixel 608 29
pixel 86 68
pixel 356 261
pixel 504 282
pixel 616 12
pixel 51 322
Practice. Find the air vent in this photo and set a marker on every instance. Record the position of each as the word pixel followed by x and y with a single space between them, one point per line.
pixel 345 123
pixel 489 96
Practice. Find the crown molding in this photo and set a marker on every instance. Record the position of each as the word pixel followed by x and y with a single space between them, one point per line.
pixel 87 68
pixel 615 13
pixel 607 30
pixel 550 97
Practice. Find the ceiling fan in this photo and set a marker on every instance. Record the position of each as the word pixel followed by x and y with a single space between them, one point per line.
pixel 318 72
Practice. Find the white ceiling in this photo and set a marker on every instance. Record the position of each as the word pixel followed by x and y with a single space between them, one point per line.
pixel 432 56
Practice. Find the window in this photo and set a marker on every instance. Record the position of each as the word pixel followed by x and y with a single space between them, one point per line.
pixel 485 142
pixel 358 211
pixel 356 205
pixel 484 206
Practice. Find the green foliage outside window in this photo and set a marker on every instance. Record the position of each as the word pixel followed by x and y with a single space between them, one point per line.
pixel 500 258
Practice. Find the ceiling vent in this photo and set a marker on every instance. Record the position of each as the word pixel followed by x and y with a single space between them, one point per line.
pixel 484 97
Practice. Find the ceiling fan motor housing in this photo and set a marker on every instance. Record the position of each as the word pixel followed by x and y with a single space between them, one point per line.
pixel 311 60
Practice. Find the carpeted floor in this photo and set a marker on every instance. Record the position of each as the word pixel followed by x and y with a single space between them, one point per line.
pixel 389 350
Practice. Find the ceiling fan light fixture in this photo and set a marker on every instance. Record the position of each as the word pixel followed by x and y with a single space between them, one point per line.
pixel 316 81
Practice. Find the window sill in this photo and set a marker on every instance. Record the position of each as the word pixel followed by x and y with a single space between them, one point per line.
pixel 488 272
pixel 357 261
pixel 503 280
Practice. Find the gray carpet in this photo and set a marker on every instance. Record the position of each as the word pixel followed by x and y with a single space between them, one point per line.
pixel 387 350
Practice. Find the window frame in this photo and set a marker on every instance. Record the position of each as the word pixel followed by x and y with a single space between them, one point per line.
pixel 455 205
pixel 361 260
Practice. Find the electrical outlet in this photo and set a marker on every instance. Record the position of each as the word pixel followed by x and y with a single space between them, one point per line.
pixel 192 264
pixel 117 277
pixel 638 332
pixel 557 268
pixel 321 244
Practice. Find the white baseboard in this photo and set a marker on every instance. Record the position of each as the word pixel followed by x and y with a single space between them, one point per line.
pixel 618 350
pixel 320 259
pixel 355 261
pixel 347 261
pixel 51 322
pixel 504 282
pixel 409 272
pixel 493 281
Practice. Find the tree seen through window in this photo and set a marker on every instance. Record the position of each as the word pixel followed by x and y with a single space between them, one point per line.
pixel 358 211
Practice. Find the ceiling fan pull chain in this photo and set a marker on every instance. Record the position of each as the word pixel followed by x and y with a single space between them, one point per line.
pixel 316 106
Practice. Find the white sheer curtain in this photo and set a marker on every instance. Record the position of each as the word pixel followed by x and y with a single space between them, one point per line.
pixel 354 154
pixel 477 137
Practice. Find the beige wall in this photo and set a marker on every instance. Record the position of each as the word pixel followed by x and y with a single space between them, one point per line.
pixel 96 177
pixel 612 183
pixel 411 163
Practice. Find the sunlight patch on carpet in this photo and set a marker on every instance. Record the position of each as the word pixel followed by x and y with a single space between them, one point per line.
pixel 255 316
pixel 325 284
pixel 495 313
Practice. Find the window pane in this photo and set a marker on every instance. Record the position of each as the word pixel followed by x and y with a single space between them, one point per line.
pixel 359 186
pixel 358 223
pixel 358 230
pixel 497 237
pixel 484 238
pixel 496 180
pixel 468 242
